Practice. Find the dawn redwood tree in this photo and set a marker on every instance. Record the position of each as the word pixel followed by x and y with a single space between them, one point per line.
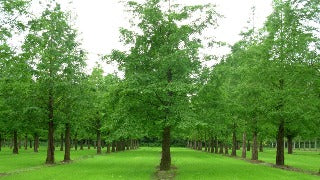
pixel 52 49
pixel 288 46
pixel 15 77
pixel 162 61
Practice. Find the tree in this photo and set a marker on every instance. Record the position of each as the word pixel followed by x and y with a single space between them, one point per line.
pixel 52 49
pixel 162 61
pixel 288 42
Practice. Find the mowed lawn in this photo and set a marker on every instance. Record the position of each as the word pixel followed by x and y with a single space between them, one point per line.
pixel 138 164
pixel 306 160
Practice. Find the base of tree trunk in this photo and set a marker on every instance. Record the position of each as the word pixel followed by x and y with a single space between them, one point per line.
pixel 165 163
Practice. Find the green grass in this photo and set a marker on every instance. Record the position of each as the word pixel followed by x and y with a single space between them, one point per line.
pixel 138 164
pixel 306 160
pixel 27 158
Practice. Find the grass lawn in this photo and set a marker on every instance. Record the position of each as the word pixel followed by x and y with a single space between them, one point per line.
pixel 307 160
pixel 138 164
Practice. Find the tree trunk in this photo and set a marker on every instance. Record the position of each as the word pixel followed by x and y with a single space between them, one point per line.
pixel 131 144
pixel 61 141
pixel 117 146
pixel 226 150
pixel 205 146
pixel 50 149
pixel 108 148
pixel 0 142
pixel 254 146
pixel 113 146
pixel 234 141
pixel 26 142
pixel 98 141
pixel 166 157
pixel 248 146
pixel 15 142
pixel 216 145
pixel 221 148
pixel 67 143
pixel 81 144
pixel 75 143
pixel 36 142
pixel 212 145
pixel 200 145
pixel 261 146
pixel 128 144
pixel 244 145
pixel 30 143
pixel 290 149
pixel 89 143
pixel 280 147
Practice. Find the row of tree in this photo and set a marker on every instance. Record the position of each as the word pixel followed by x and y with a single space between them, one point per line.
pixel 44 88
pixel 266 88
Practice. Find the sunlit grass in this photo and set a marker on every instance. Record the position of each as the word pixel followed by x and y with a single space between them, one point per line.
pixel 137 164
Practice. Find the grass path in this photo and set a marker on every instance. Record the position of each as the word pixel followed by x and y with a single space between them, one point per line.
pixel 141 164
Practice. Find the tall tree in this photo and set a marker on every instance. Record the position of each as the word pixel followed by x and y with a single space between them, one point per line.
pixel 53 51
pixel 162 62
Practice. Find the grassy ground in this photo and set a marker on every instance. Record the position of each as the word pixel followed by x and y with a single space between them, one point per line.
pixel 137 164
pixel 307 160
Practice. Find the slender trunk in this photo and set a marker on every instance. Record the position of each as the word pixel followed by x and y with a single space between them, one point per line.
pixel 0 142
pixel 61 141
pixel 26 142
pixel 200 145
pixel 244 145
pixel 81 144
pixel 36 142
pixel 131 144
pixel 117 146
pixel 15 142
pixel 75 141
pixel 205 146
pixel 226 150
pixel 254 146
pixel 128 144
pixel 98 141
pixel 221 148
pixel 234 141
pixel 30 143
pixel 212 145
pixel 290 144
pixel 261 146
pixel 113 146
pixel 67 143
pixel 50 150
pixel 89 143
pixel 166 157
pixel 108 148
pixel 248 146
pixel 280 148
pixel 216 145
